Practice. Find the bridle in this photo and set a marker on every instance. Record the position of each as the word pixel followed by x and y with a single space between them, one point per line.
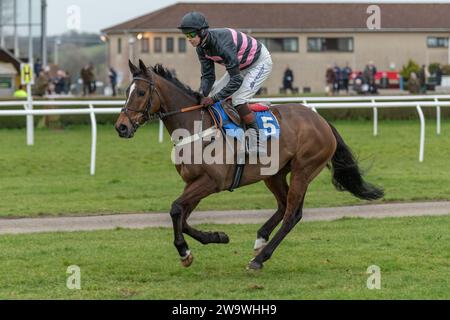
pixel 156 115
pixel 146 111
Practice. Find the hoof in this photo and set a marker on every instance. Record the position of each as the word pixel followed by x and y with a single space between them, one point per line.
pixel 223 237
pixel 186 262
pixel 254 265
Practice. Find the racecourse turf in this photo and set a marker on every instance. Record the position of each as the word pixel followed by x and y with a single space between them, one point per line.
pixel 52 177
pixel 317 260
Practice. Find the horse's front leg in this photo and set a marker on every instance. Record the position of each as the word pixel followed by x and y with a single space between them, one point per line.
pixel 176 213
pixel 192 194
pixel 202 236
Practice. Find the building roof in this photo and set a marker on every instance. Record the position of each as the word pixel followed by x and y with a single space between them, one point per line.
pixel 295 17
pixel 6 56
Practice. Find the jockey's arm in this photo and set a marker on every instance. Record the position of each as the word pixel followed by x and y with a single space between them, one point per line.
pixel 233 85
pixel 208 75
pixel 232 65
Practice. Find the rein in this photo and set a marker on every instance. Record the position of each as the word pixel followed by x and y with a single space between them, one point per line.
pixel 183 110
pixel 156 115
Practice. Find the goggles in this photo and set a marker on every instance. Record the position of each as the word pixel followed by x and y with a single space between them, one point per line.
pixel 191 34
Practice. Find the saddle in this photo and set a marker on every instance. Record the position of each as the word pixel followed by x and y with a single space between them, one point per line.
pixel 234 115
pixel 231 112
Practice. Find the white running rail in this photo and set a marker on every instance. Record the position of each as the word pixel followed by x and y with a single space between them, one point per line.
pixel 314 103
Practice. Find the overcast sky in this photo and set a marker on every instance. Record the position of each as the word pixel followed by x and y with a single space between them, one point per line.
pixel 100 14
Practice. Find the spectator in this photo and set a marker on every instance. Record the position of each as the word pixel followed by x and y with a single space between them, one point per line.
pixel 369 76
pixel 37 67
pixel 60 82
pixel 423 79
pixel 438 75
pixel 288 79
pixel 113 80
pixel 358 83
pixel 373 85
pixel 68 83
pixel 346 73
pixel 41 86
pixel 413 83
pixel 84 74
pixel 330 78
pixel 91 79
pixel 337 78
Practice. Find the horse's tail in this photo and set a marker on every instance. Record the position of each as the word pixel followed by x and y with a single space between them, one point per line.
pixel 347 175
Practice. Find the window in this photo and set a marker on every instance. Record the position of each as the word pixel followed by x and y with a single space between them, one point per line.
pixel 330 44
pixel 5 83
pixel 169 44
pixel 435 42
pixel 182 44
pixel 280 44
pixel 145 45
pixel 157 44
pixel 119 45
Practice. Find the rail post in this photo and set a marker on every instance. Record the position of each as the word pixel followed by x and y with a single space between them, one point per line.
pixel 94 138
pixel 375 119
pixel 422 133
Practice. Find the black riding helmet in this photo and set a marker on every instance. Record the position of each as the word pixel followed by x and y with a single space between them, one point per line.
pixel 193 21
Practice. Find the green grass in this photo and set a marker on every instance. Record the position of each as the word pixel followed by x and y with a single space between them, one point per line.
pixel 318 260
pixel 52 177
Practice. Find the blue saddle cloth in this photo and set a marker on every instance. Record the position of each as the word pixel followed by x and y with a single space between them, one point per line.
pixel 266 121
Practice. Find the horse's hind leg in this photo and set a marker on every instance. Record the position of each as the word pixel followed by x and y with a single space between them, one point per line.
pixel 279 187
pixel 292 216
pixel 303 172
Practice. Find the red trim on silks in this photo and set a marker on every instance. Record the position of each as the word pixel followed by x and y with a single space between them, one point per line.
pixel 257 107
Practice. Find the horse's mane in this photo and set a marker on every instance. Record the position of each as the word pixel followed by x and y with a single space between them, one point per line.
pixel 161 71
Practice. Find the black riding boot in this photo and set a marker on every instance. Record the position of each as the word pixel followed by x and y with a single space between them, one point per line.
pixel 254 142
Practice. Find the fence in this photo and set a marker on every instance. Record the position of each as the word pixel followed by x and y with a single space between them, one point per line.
pixel 314 103
pixel 91 111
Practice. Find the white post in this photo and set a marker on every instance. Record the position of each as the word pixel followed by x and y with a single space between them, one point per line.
pixel 422 133
pixel 375 120
pixel 30 118
pixel 16 35
pixel 161 131
pixel 438 117
pixel 2 36
pixel 448 46
pixel 44 32
pixel 94 139
pixel 30 35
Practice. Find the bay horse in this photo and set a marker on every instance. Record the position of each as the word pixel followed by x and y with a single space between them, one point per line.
pixel 307 144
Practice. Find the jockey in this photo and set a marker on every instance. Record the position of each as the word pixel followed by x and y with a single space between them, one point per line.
pixel 247 61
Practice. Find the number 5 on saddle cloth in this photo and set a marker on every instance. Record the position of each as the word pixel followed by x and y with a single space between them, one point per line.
pixel 230 125
pixel 267 122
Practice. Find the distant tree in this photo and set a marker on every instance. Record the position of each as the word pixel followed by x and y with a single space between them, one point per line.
pixel 446 69
pixel 433 67
pixel 410 67
pixel 73 58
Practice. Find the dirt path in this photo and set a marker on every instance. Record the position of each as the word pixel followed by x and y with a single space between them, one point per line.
pixel 149 220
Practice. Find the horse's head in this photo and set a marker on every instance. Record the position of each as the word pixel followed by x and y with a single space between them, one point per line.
pixel 139 107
